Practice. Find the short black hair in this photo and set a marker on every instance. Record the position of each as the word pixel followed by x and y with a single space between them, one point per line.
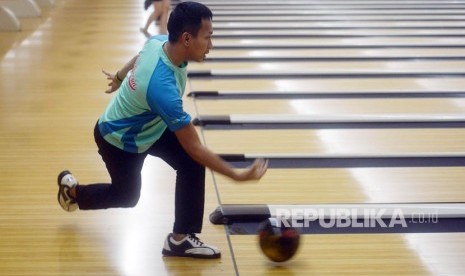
pixel 187 17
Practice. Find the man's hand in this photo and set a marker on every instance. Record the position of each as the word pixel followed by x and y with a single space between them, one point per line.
pixel 254 171
pixel 114 83
pixel 190 141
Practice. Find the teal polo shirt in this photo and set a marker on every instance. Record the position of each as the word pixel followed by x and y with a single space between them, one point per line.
pixel 148 101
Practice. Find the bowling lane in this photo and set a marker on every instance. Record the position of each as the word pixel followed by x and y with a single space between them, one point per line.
pixel 321 25
pixel 332 2
pixel 413 106
pixel 359 254
pixel 356 68
pixel 338 42
pixel 339 17
pixel 346 185
pixel 264 54
pixel 387 32
pixel 341 85
pixel 335 6
pixel 327 142
pixel 342 12
pixel 413 254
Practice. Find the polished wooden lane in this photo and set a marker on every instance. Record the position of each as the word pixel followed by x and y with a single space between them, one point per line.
pixel 297 106
pixel 406 254
pixel 347 185
pixel 318 42
pixel 336 141
pixel 335 6
pixel 278 33
pixel 335 54
pixel 357 68
pixel 355 254
pixel 329 2
pixel 285 31
pixel 342 85
pixel 323 25
pixel 330 10
pixel 367 17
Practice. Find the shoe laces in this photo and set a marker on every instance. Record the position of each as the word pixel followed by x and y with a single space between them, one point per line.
pixel 195 239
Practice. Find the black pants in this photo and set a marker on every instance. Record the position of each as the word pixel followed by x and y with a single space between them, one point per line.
pixel 125 172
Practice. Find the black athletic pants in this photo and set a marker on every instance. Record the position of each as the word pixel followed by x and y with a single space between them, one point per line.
pixel 125 172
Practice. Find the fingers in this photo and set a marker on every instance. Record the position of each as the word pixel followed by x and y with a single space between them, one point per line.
pixel 111 78
pixel 260 166
pixel 106 73
pixel 111 89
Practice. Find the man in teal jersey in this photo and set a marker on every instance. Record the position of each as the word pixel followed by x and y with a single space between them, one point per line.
pixel 146 117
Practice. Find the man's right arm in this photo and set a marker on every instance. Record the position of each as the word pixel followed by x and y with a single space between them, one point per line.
pixel 190 141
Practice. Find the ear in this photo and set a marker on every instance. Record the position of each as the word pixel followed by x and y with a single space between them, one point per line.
pixel 186 38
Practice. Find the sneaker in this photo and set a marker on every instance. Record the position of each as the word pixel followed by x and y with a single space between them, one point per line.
pixel 66 181
pixel 190 246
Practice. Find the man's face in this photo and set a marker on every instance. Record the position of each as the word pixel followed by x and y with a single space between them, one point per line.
pixel 202 43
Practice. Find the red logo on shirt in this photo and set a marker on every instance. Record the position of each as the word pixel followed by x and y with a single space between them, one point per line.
pixel 132 81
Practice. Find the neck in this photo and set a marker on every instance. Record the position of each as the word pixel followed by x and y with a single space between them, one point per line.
pixel 173 54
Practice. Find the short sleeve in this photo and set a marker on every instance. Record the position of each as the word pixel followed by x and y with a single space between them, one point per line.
pixel 163 97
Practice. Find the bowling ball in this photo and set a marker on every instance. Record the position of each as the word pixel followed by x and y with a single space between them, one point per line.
pixel 278 242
